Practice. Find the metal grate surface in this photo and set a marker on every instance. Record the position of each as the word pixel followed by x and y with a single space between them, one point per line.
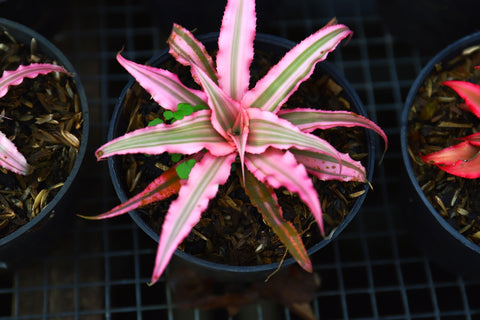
pixel 101 270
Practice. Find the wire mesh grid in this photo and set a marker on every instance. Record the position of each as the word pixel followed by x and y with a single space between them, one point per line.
pixel 101 270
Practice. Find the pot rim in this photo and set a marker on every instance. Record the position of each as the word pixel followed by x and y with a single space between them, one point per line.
pixel 444 55
pixel 22 33
pixel 354 99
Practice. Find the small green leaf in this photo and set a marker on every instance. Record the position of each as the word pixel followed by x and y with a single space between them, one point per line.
pixel 199 107
pixel 184 168
pixel 178 115
pixel 154 122
pixel 185 108
pixel 168 115
pixel 176 157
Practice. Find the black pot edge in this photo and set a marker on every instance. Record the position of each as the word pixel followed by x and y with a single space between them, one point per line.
pixel 464 254
pixel 61 202
pixel 240 273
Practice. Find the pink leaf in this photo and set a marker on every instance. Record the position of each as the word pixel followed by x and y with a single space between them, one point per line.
pixel 189 51
pixel 265 200
pixel 268 130
pixel 468 91
pixel 225 110
pixel 164 86
pixel 11 159
pixel 462 160
pixel 185 211
pixel 235 45
pixel 473 139
pixel 327 168
pixel 187 136
pixel 309 120
pixel 281 81
pixel 163 187
pixel 10 78
pixel 280 169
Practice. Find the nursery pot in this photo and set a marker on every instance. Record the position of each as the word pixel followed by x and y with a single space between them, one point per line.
pixel 218 270
pixel 439 240
pixel 34 238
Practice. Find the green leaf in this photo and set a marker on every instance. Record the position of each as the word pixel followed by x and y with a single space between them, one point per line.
pixel 154 122
pixel 176 157
pixel 168 115
pixel 184 168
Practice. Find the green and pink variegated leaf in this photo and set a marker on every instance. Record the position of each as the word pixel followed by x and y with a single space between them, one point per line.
pixel 268 130
pixel 462 160
pixel 278 169
pixel 308 120
pixel 185 211
pixel 265 200
pixel 235 47
pixel 163 187
pixel 164 86
pixel 470 92
pixel 225 110
pixel 189 51
pixel 297 65
pixel 15 77
pixel 325 167
pixel 11 159
pixel 187 136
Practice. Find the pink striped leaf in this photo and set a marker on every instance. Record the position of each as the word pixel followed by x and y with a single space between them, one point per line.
pixel 164 86
pixel 470 92
pixel 163 187
pixel 268 130
pixel 297 65
pixel 326 167
pixel 235 47
pixel 225 110
pixel 462 160
pixel 11 159
pixel 186 210
pixel 309 120
pixel 278 169
pixel 15 77
pixel 265 200
pixel 189 51
pixel 187 136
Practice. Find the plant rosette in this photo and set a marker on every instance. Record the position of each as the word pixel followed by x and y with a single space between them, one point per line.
pixel 249 146
pixel 43 131
pixel 439 125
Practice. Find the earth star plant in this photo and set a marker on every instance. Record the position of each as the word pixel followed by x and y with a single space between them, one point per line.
pixel 10 158
pixel 272 148
pixel 463 158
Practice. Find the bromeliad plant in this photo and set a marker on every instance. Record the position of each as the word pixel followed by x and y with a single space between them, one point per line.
pixel 463 158
pixel 272 148
pixel 10 158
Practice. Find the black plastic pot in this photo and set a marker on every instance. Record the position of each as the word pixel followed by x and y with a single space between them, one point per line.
pixel 35 238
pixel 441 242
pixel 221 271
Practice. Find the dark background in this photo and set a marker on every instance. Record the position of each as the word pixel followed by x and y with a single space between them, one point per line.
pixel 373 271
